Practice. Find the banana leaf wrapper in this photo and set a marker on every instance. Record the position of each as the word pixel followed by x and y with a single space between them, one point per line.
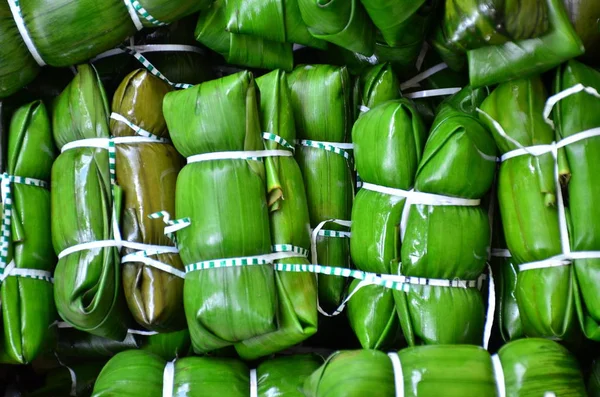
pixel 534 367
pixel 132 372
pixel 28 303
pixel 147 174
pixel 77 345
pixel 388 146
pixel 59 382
pixel 585 17
pixel 375 85
pixel 427 371
pixel 321 100
pixel 458 144
pixel 403 24
pixel 343 23
pixel 593 384
pixel 527 199
pixel 516 59
pixel 87 290
pixel 575 114
pixel 18 67
pixel 274 20
pixel 239 49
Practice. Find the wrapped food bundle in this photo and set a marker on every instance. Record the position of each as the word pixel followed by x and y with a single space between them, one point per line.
pixel 321 100
pixel 243 214
pixel 27 258
pixel 505 40
pixel 30 37
pixel 240 49
pixel 375 85
pixel 133 372
pixel 528 367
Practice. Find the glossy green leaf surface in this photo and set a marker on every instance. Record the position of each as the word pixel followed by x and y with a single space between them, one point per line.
pixel 376 85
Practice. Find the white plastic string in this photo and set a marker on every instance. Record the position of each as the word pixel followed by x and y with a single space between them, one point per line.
pixel 238 155
pixel 398 375
pixel 15 9
pixel 297 47
pixel 491 310
pixel 554 99
pixel 433 93
pixel 168 379
pixel 422 54
pixel 363 109
pixel 141 333
pixel 148 48
pixel 414 82
pixel 499 376
pixel 117 242
pixel 501 253
pixel 135 257
pixel 73 391
pixel 253 383
pixel 12 271
pixel 135 18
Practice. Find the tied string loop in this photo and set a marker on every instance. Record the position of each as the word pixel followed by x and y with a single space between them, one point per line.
pixel 10 269
pixel 144 251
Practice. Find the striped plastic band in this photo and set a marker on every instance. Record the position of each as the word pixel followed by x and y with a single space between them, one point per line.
pixel 144 257
pixel 137 129
pixel 116 243
pixel 359 182
pixel 333 233
pixel 265 259
pixel 255 155
pixel 5 228
pixel 145 14
pixel 135 18
pixel 152 69
pixel 172 225
pixel 12 271
pixel 276 138
pixel 337 148
pixel 290 248
pixel 15 9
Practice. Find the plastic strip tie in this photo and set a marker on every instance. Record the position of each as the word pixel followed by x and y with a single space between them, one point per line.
pixel 15 9
pixel 422 54
pixel 499 376
pixel 12 271
pixel 433 93
pixel 253 383
pixel 398 374
pixel 290 248
pixel 72 374
pixel 334 147
pixel 172 226
pixel 491 310
pixel 168 379
pixel 256 155
pixel 145 14
pixel 501 253
pixel 149 48
pixel 143 257
pixel 141 333
pixel 414 82
pixel 276 138
pixel 135 18
pixel 137 129
pixel 266 259
pixel 152 69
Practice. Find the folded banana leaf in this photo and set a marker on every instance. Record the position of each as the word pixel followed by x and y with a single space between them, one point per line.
pixel 578 113
pixel 17 67
pixel 593 385
pixel 538 367
pixel 458 161
pixel 388 147
pixel 87 290
pixel 515 59
pixel 321 100
pixel 27 303
pixel 74 380
pixel 374 86
pixel 527 200
pixel 135 372
pixel 427 371
pixel 77 345
pixel 147 174
pixel 240 49
pixel 403 24
pixel 341 22
pixel 585 17
pixel 274 20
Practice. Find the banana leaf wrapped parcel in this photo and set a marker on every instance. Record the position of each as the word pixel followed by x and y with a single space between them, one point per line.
pixel 322 104
pixel 528 208
pixel 388 147
pixel 147 174
pixel 240 49
pixel 375 85
pixel 527 367
pixel 254 211
pixel 505 40
pixel 85 30
pixel 133 372
pixel 28 258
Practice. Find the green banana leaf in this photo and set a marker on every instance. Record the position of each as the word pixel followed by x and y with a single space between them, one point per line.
pixel 537 367
pixel 458 144
pixel 341 22
pixel 497 63
pixel 87 290
pixel 403 24
pixel 27 303
pixel 375 85
pixel 427 371
pixel 527 199
pixel 322 105
pixel 134 372
pixel 388 146
pixel 147 173
pixel 593 385
pixel 59 381
pixel 274 20
pixel 239 49
pixel 585 17
pixel 575 114
pixel 18 66
pixel 77 345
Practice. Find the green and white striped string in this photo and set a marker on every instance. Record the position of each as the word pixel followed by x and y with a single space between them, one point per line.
pixel 172 225
pixel 337 148
pixel 6 269
pixel 333 233
pixel 137 129
pixel 145 14
pixel 284 251
pixel 276 138
pixel 152 69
